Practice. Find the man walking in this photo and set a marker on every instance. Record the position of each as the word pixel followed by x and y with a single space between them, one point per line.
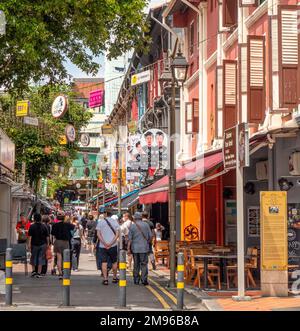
pixel 108 234
pixel 38 242
pixel 139 239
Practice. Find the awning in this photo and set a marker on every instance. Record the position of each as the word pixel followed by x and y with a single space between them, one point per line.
pixel 158 192
pixel 127 200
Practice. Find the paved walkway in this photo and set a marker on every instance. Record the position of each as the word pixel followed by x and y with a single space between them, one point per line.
pixel 88 293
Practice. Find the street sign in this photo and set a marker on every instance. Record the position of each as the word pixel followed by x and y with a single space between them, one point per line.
pixel 229 148
pixel 141 78
pixel 22 108
pixel 62 140
pixel 243 141
pixel 59 106
pixel 31 121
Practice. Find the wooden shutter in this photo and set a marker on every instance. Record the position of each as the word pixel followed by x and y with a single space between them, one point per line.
pixel 256 79
pixel 230 12
pixel 248 3
pixel 288 56
pixel 219 101
pixel 195 115
pixel 229 93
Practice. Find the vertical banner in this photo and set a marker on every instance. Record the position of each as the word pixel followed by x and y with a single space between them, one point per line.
pixel 274 243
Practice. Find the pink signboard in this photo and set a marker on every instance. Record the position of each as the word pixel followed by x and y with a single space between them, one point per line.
pixel 96 98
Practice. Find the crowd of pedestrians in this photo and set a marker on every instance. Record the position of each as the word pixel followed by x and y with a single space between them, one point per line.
pixel 47 236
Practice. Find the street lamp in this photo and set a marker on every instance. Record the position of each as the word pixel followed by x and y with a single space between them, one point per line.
pixel 178 74
pixel 104 175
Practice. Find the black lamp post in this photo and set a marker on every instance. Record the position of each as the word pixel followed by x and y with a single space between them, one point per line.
pixel 178 74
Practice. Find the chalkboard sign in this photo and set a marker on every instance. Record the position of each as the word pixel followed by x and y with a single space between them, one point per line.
pixel 293 234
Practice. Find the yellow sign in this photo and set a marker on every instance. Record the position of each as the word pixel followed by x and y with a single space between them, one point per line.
pixel 62 140
pixel 274 239
pixel 22 108
pixel 107 129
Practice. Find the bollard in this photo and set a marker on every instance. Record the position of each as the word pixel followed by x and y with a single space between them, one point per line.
pixel 8 277
pixel 122 279
pixel 180 281
pixel 66 277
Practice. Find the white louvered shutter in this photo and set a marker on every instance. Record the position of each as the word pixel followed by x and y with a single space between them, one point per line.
pixel 229 93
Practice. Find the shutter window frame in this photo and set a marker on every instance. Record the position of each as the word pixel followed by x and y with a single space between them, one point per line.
pixel 188 117
pixel 286 57
pixel 229 20
pixel 256 81
pixel 230 90
pixel 248 3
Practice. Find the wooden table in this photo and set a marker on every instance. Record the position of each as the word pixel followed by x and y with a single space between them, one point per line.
pixel 206 257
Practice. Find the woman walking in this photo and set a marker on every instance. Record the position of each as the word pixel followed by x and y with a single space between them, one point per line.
pixel 76 243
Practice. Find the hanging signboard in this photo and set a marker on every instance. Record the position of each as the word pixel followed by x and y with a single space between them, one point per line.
pixel 22 108
pixel 70 133
pixel 106 129
pixel 85 139
pixel 62 140
pixel 7 152
pixel 96 98
pixel 59 106
pixel 140 78
pixel 154 152
pixel 31 121
pixel 274 242
pixel 243 141
pixel 229 148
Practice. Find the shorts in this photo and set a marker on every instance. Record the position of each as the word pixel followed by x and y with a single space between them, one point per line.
pixel 111 253
pixel 60 246
pixel 38 255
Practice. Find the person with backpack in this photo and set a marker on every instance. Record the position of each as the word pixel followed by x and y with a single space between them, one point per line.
pixel 139 236
pixel 76 243
pixel 108 235
pixel 91 229
pixel 38 242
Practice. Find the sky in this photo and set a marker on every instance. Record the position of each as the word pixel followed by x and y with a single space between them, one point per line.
pixel 77 73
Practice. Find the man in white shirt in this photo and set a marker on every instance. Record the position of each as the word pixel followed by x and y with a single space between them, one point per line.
pixel 108 234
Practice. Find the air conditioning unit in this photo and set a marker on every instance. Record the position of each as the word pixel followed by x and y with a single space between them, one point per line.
pixel 294 164
pixel 262 170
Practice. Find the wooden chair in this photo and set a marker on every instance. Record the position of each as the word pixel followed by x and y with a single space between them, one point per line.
pixel 161 251
pixel 212 269
pixel 250 266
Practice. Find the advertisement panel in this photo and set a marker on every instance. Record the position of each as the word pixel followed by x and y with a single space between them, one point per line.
pixel 140 78
pixel 274 238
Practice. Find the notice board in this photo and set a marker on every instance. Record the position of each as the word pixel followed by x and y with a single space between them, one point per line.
pixel 274 245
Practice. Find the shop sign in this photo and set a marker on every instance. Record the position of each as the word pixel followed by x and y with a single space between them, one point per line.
pixel 31 121
pixel 141 78
pixel 107 129
pixel 7 152
pixel 274 237
pixel 70 133
pixel 22 108
pixel 85 139
pixel 229 148
pixel 59 106
pixel 62 140
pixel 96 98
pixel 243 141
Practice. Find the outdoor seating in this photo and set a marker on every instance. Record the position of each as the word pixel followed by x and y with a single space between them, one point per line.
pixel 161 251
pixel 19 253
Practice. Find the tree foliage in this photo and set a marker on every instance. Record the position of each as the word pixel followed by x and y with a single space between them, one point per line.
pixel 39 146
pixel 41 34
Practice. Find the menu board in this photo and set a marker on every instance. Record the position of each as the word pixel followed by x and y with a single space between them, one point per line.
pixel 274 230
pixel 253 221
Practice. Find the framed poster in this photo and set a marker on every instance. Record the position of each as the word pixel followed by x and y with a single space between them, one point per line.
pixel 253 221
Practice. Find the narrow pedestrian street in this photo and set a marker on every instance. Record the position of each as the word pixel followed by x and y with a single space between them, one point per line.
pixel 88 293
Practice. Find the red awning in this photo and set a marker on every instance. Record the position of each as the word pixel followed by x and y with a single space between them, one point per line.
pixel 158 191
